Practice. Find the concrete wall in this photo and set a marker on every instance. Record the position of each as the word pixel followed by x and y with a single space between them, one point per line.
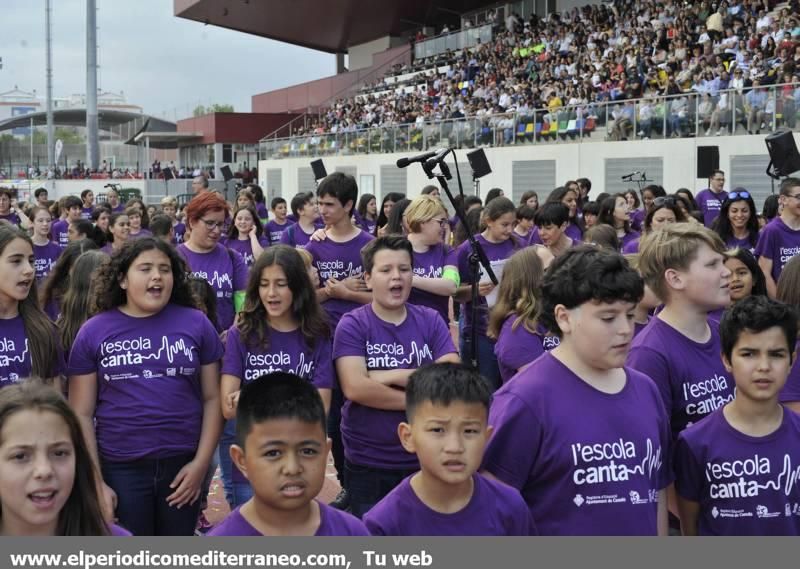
pixel 572 160
pixel 360 56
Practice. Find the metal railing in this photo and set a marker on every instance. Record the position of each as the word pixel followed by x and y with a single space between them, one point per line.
pixel 454 41
pixel 730 112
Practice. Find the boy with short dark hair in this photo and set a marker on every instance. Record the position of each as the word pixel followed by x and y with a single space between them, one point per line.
pixel 282 449
pixel 551 221
pixel 447 408
pixel 779 241
pixel 162 228
pixel 376 348
pixel 584 439
pixel 737 471
pixel 304 208
pixel 276 226
pixel 70 211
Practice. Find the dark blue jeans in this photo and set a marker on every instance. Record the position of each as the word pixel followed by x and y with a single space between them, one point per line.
pixel 367 486
pixel 487 360
pixel 142 487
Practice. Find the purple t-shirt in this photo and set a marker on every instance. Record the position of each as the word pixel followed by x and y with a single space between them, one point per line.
pixel 60 232
pixel 178 230
pixel 287 351
pixel 141 233
pixel 45 257
pixel 744 485
pixel 779 243
pixel 791 389
pixel 339 261
pixel 497 253
pixel 12 218
pixel 149 397
pixel 637 219
pixel 518 347
pixel 734 243
pixel 596 475
pixel 631 247
pixel 273 230
pixel 690 376
pixel 574 232
pixel 628 239
pixel 370 435
pixel 117 531
pixel 262 211
pixel 431 264
pixel 710 204
pixel 495 509
pixel 294 236
pixel 225 271
pixel 245 248
pixel 86 212
pixel 332 522
pixel 15 355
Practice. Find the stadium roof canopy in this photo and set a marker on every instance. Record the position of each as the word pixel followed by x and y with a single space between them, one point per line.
pixel 325 25
pixel 77 117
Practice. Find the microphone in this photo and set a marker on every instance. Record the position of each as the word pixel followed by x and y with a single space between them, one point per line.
pixel 437 157
pixel 404 162
pixel 631 175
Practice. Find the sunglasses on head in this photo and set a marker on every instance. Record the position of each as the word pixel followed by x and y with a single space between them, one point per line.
pixel 738 195
pixel 662 201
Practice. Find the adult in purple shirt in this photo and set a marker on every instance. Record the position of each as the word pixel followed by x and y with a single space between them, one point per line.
pixel 436 277
pixel 304 206
pixel 224 269
pixel 71 208
pixel 737 224
pixel 144 381
pixel 679 349
pixel 606 473
pixel 737 470
pixel 710 200
pixel 614 212
pixel 376 348
pixel 283 450
pixel 780 239
pixel 246 235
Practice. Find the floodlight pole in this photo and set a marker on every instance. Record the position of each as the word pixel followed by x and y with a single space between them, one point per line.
pixel 92 144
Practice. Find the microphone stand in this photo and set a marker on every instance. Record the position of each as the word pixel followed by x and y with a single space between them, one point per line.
pixel 477 256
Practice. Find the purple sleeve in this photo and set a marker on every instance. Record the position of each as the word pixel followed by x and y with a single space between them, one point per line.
pixel 653 364
pixel 534 238
pixel 442 340
pixel 233 360
pixel 515 354
pixel 791 389
pixel 766 244
pixel 462 257
pixel 82 358
pixel 323 367
pixel 504 458
pixel 284 240
pixel 688 473
pixel 211 348
pixel 451 258
pixel 239 272
pixel 348 340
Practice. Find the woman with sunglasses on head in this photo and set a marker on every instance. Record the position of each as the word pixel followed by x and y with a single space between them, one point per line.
pixel 737 223
pixel 664 211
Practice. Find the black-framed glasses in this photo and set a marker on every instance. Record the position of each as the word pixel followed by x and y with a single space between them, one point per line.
pixel 212 225
pixel 743 195
pixel 442 222
pixel 664 201
pixel 795 196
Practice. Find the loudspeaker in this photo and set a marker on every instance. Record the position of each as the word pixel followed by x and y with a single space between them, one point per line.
pixel 227 175
pixel 319 169
pixel 783 153
pixel 707 160
pixel 167 173
pixel 478 163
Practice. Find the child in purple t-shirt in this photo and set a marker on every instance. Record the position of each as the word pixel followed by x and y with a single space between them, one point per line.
pixel 376 348
pixel 42 434
pixel 584 439
pixel 779 241
pixel 679 349
pixel 245 235
pixel 304 207
pixel 281 328
pixel 45 250
pixel 520 339
pixel 275 227
pixel 71 210
pixel 144 381
pixel 738 470
pixel 447 406
pixel 282 449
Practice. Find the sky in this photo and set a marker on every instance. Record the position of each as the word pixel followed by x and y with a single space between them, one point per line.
pixel 165 64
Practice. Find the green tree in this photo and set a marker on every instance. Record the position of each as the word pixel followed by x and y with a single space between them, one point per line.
pixel 200 110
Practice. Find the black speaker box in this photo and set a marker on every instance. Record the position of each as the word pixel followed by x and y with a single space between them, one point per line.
pixel 783 152
pixel 707 160
pixel 478 163
pixel 226 173
pixel 319 169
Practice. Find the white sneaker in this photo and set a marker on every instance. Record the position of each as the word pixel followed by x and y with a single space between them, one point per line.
pixel 719 132
pixel 708 132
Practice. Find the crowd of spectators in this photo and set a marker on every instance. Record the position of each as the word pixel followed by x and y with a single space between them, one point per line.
pixel 601 53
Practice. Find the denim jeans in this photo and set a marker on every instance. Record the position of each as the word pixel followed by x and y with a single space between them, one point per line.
pixel 487 360
pixel 367 486
pixel 237 488
pixel 142 487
